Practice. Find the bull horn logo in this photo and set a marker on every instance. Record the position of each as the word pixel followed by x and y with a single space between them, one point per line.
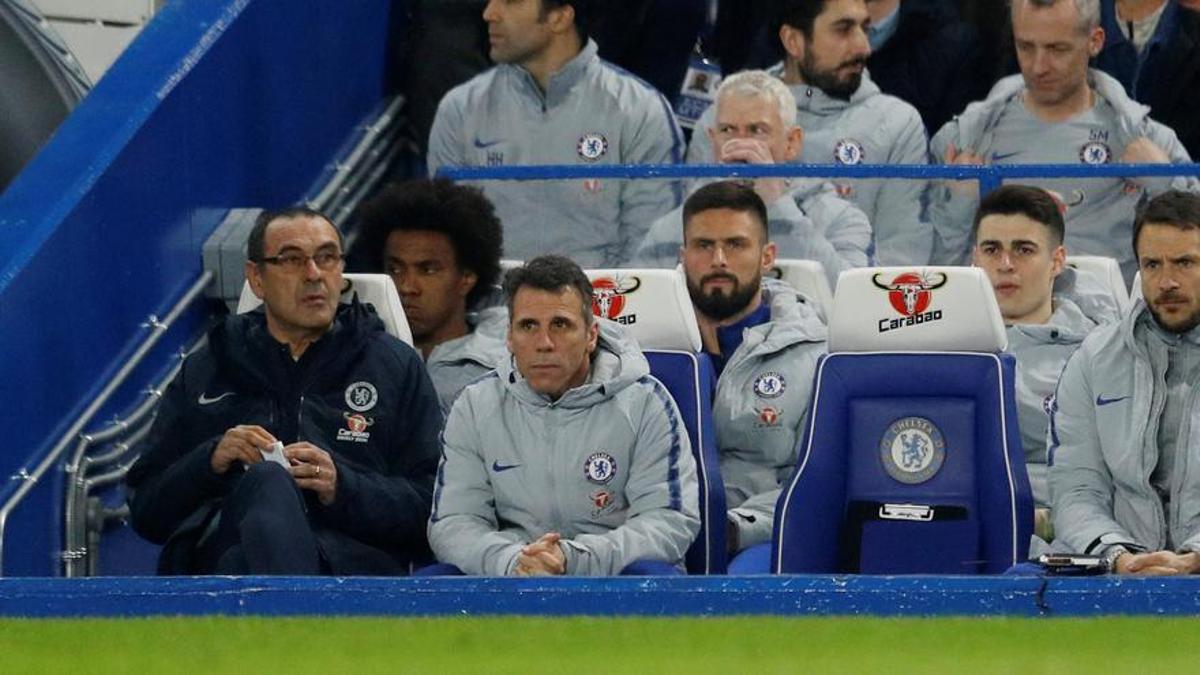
pixel 909 293
pixel 608 295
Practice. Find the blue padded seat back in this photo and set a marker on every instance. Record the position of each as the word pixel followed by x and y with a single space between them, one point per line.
pixel 843 511
pixel 690 379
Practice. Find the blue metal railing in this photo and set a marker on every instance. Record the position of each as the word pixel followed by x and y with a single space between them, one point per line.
pixel 989 176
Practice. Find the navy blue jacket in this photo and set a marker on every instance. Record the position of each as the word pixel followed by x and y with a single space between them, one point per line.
pixel 357 392
pixel 935 61
pixel 1166 75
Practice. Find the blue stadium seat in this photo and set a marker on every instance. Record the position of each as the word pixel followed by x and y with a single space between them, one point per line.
pixel 654 305
pixel 912 460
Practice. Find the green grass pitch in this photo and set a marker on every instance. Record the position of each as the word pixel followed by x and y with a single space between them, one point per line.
pixel 571 646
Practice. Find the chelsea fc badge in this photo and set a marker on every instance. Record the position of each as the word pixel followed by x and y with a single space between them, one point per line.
pixel 361 396
pixel 769 385
pixel 912 450
pixel 1095 152
pixel 592 146
pixel 599 468
pixel 848 151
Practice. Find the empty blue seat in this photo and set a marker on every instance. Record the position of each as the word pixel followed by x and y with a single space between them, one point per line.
pixel 912 461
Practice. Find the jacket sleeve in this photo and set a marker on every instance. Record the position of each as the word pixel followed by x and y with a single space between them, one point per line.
pixel 950 211
pixel 390 508
pixel 663 498
pixel 445 137
pixel 902 235
pixel 755 518
pixel 1165 138
pixel 463 529
pixel 1081 487
pixel 172 477
pixel 655 139
pixel 834 233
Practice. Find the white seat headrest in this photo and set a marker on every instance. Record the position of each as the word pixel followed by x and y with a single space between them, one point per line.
pixel 1107 271
pixel 652 304
pixel 373 289
pixel 915 309
pixel 808 277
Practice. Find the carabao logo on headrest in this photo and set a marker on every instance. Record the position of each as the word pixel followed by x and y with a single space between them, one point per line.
pixel 608 297
pixel 910 294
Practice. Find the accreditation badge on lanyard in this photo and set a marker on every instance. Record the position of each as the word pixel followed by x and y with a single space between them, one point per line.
pixel 699 89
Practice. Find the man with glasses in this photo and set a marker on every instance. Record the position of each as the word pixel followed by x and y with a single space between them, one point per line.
pixel 301 439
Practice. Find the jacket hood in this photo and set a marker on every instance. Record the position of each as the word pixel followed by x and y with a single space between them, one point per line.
pixel 617 363
pixel 794 319
pixel 1081 302
pixel 816 101
pixel 972 127
pixel 1140 315
pixel 485 344
pixel 237 342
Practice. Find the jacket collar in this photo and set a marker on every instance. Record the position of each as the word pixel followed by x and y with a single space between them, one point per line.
pixel 561 83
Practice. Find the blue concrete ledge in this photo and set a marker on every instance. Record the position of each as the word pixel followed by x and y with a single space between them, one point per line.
pixel 623 596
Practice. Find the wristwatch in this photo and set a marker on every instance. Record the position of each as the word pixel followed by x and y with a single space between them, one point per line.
pixel 1110 557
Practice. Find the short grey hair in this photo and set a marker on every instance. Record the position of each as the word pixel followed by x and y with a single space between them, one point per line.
pixel 1089 10
pixel 761 84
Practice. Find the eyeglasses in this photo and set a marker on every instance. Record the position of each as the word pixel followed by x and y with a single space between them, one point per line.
pixel 296 262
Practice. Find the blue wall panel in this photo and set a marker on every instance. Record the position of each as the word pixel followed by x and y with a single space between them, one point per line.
pixel 801 595
pixel 215 105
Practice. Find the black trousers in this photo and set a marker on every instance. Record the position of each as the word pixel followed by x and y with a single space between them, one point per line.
pixel 263 529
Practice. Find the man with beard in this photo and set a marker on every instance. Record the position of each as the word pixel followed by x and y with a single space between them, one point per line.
pixel 1057 111
pixel 847 120
pixel 756 124
pixel 551 100
pixel 1125 426
pixel 441 245
pixel 764 340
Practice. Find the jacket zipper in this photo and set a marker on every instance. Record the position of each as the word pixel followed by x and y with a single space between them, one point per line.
pixel 300 419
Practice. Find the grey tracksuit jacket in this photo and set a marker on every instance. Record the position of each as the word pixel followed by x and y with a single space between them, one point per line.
pixel 870 128
pixel 608 466
pixel 591 114
pixel 759 425
pixel 1042 350
pixel 1101 224
pixel 456 363
pixel 1103 445
pixel 809 223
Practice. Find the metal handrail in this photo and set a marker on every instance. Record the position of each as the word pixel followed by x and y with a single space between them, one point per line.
pixel 157 329
pixel 861 171
pixel 78 485
pixel 123 446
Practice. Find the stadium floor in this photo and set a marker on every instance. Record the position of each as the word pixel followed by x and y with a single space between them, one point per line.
pixel 608 645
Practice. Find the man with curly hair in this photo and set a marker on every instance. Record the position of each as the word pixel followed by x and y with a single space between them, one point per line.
pixel 441 244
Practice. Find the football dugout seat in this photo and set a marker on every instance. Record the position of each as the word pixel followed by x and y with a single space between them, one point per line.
pixel 808 277
pixel 653 304
pixel 376 290
pixel 912 460
pixel 1105 271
